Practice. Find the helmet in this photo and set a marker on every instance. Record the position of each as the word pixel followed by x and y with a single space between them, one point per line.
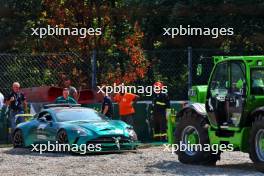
pixel 158 84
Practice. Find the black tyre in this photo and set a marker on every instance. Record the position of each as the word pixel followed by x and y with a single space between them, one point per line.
pixel 192 129
pixel 62 137
pixel 256 142
pixel 18 140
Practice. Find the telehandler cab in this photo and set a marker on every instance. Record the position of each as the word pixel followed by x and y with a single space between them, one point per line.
pixel 228 111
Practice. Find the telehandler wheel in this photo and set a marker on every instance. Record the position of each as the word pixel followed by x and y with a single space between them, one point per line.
pixel 257 143
pixel 192 129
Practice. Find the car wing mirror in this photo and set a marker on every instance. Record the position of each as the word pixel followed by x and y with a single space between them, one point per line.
pixel 50 123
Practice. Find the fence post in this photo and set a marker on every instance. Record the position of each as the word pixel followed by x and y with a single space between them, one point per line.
pixel 189 67
pixel 94 69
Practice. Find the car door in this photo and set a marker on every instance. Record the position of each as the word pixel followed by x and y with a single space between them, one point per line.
pixel 50 129
pixel 44 123
pixel 32 133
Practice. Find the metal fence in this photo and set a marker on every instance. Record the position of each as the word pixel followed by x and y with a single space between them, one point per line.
pixel 170 66
pixel 43 69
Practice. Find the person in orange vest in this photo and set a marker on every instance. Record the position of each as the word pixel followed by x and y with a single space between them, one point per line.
pixel 160 103
pixel 126 110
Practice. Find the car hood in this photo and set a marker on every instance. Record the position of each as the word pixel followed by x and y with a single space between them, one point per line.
pixel 107 127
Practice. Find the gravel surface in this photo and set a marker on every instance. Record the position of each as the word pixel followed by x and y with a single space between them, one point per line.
pixel 149 161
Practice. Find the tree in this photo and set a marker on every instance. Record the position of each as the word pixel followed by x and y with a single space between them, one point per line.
pixel 245 16
pixel 15 15
pixel 119 45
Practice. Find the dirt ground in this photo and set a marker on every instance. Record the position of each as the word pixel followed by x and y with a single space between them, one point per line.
pixel 149 161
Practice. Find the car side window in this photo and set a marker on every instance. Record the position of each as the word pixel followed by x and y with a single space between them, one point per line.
pixel 46 116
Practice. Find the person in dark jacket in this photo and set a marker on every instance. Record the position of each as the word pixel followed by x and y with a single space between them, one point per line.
pixel 17 103
pixel 160 103
pixel 107 105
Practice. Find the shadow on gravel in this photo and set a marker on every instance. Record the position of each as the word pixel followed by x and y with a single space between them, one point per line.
pixel 27 151
pixel 175 167
pixel 240 166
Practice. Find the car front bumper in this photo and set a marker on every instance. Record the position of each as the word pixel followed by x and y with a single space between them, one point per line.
pixel 106 144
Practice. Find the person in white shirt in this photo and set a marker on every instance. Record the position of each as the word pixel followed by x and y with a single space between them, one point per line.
pixel 1 100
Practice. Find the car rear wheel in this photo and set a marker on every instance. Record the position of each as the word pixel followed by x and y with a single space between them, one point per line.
pixel 257 143
pixel 18 140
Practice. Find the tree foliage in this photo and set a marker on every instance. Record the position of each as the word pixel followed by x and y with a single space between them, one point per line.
pixel 120 40
pixel 246 17
pixel 128 27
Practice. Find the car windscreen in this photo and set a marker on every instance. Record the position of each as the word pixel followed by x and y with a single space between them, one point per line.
pixel 79 115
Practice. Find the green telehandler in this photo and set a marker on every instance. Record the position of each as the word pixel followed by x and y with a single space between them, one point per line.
pixel 228 111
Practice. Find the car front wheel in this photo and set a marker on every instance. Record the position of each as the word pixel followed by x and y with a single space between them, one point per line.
pixel 62 137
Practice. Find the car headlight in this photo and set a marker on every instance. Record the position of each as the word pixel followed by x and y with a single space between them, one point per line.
pixel 80 131
pixel 132 134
